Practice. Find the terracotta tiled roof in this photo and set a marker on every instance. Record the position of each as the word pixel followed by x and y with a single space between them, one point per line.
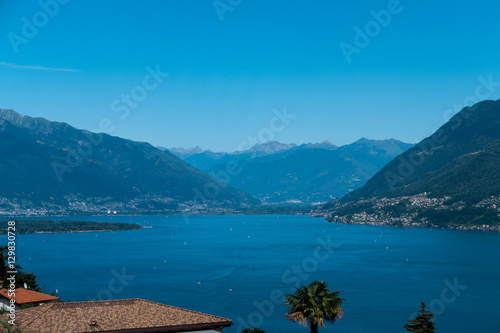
pixel 130 315
pixel 23 296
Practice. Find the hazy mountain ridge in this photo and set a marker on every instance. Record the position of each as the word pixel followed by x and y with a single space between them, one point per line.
pixel 52 165
pixel 183 153
pixel 308 173
pixel 206 159
pixel 458 167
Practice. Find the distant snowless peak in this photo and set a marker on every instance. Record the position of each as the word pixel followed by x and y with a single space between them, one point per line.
pixel 194 150
pixel 271 147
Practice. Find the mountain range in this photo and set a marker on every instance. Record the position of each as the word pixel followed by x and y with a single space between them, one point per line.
pixel 53 167
pixel 307 173
pixel 450 178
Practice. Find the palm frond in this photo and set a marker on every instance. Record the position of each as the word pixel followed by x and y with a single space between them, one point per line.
pixel 314 304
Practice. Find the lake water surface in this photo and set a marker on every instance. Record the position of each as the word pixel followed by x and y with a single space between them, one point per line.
pixel 239 266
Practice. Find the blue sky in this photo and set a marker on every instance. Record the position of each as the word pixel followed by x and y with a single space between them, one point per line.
pixel 225 77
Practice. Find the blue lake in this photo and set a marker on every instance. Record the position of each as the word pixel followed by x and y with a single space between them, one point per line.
pixel 239 266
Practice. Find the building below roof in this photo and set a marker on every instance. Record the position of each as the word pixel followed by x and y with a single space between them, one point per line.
pixel 23 297
pixel 116 316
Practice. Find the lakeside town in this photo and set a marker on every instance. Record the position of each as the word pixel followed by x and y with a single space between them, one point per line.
pixel 390 212
pixel 104 206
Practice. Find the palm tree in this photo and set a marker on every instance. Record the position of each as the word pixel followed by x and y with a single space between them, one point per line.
pixel 313 305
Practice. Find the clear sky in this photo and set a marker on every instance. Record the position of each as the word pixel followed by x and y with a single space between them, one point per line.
pixel 230 63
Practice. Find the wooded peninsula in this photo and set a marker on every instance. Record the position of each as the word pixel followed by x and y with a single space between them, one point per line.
pixel 49 226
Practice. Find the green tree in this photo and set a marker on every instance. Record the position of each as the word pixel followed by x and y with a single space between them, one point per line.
pixel 255 330
pixel 8 328
pixel 3 262
pixel 422 323
pixel 313 305
pixel 22 276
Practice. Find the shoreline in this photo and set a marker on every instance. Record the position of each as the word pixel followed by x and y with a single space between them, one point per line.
pixel 454 227
pixel 313 215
